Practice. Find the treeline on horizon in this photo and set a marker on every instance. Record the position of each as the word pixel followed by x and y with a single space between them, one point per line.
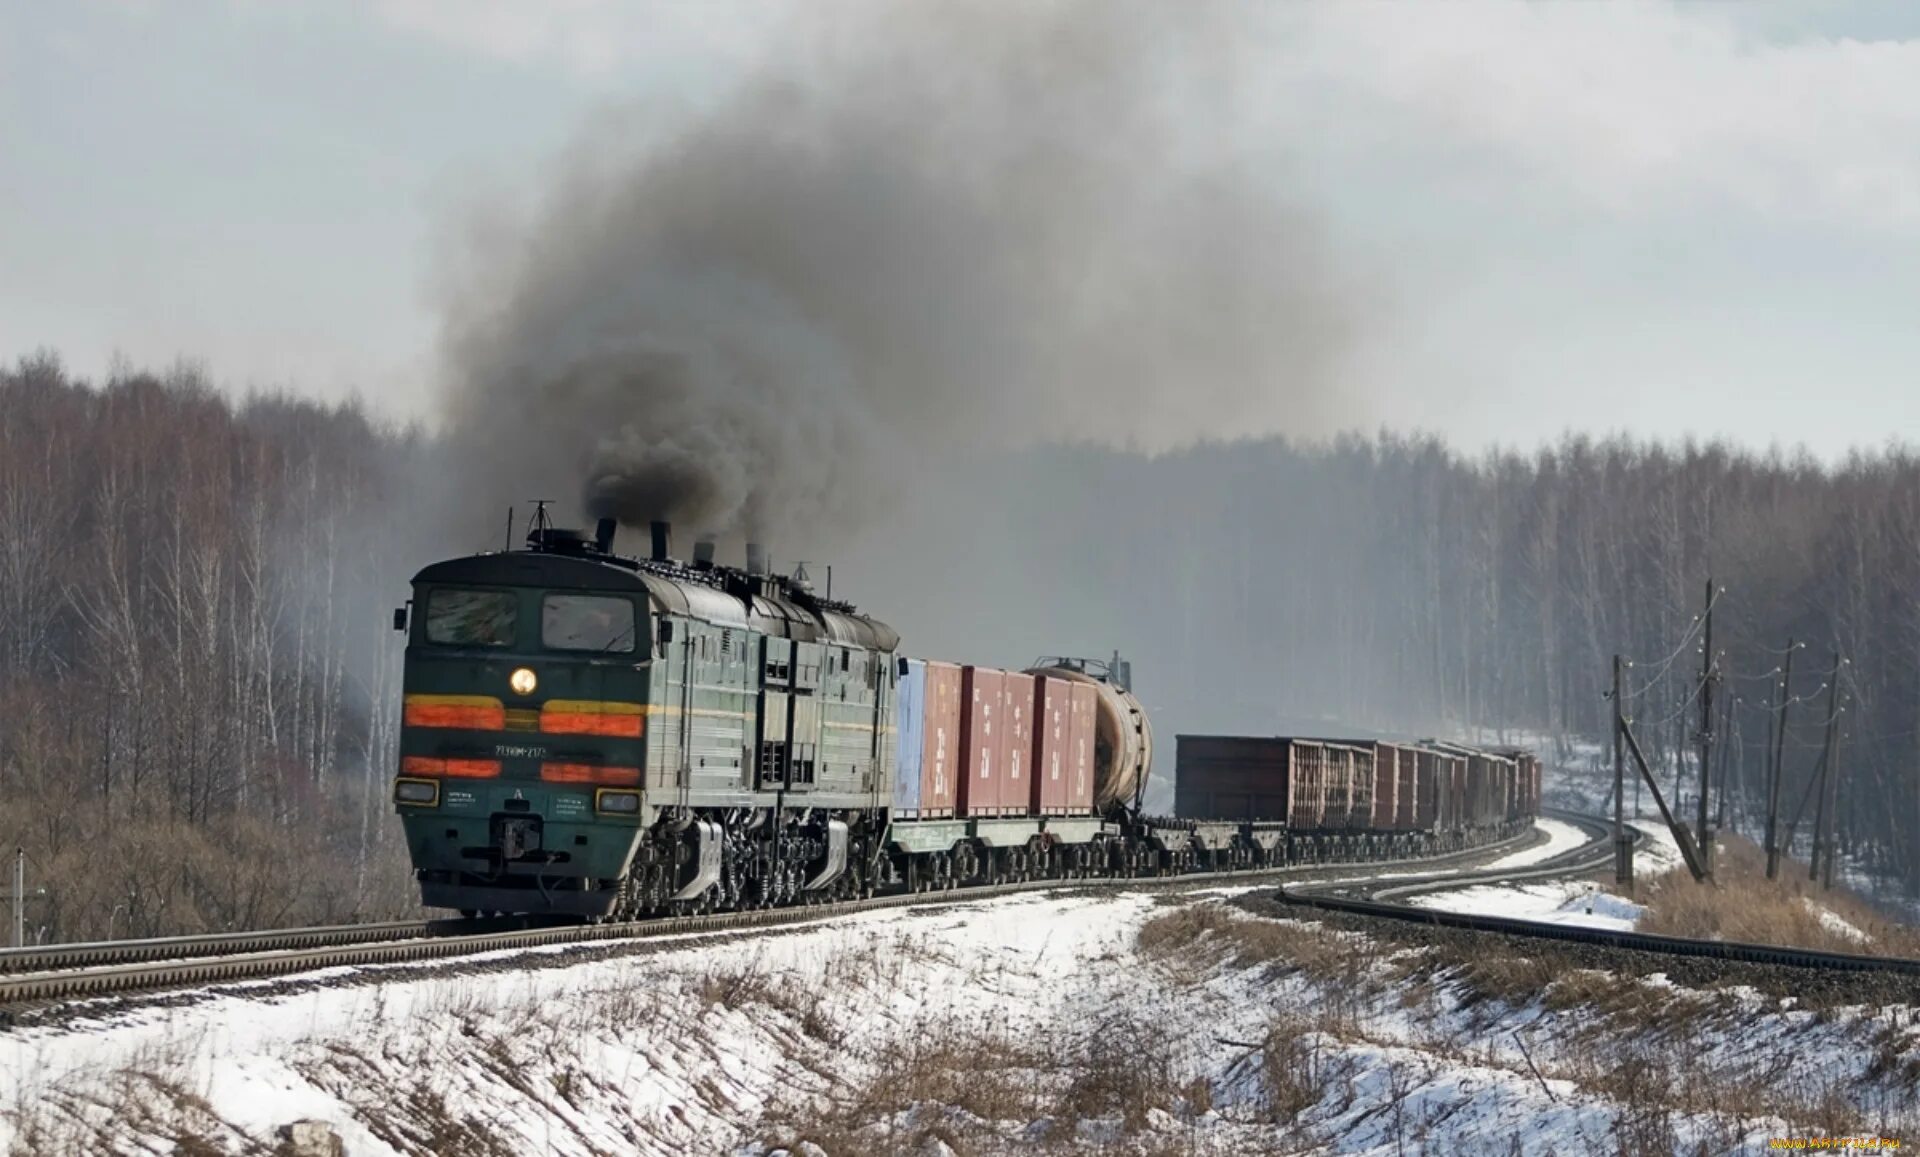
pixel 1393 586
pixel 199 689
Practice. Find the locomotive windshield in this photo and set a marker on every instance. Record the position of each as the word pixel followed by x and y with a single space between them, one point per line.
pixel 465 618
pixel 586 623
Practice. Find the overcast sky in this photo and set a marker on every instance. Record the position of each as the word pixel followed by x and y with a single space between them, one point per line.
pixel 1665 218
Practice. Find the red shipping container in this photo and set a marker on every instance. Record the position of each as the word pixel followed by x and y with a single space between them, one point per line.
pixel 1052 735
pixel 1082 716
pixel 1016 790
pixel 940 759
pixel 983 740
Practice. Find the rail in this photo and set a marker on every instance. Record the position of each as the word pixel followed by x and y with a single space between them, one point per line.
pixel 33 978
pixel 1596 854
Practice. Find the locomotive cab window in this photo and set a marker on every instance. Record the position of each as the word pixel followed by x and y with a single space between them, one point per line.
pixel 466 618
pixel 587 623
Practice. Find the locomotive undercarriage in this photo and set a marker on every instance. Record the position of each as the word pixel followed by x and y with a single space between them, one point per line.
pixel 743 859
pixel 763 859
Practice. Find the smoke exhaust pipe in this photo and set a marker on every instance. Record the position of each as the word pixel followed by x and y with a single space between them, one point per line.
pixel 703 554
pixel 756 558
pixel 662 541
pixel 603 535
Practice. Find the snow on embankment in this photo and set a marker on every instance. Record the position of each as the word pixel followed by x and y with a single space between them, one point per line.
pixel 1051 1024
pixel 1555 902
pixel 1580 902
pixel 1561 838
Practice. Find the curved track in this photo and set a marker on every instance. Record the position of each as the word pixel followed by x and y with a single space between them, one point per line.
pixel 1362 898
pixel 33 978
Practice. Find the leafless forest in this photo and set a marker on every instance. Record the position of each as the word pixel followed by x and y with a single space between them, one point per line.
pixel 194 682
pixel 198 686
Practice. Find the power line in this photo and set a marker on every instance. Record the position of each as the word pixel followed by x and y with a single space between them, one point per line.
pixel 1692 630
pixel 1679 711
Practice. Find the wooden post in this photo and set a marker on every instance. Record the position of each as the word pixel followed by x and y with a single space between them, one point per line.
pixel 1773 770
pixel 1826 773
pixel 1622 846
pixel 1725 816
pixel 1833 800
pixel 1706 737
pixel 1681 835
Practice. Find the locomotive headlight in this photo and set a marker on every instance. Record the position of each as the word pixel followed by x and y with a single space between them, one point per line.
pixel 523 681
pixel 622 803
pixel 416 791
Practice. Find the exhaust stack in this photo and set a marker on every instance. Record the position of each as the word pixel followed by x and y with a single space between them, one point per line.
pixel 603 535
pixel 703 554
pixel 756 559
pixel 662 541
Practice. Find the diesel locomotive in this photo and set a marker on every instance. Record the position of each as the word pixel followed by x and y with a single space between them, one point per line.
pixel 594 735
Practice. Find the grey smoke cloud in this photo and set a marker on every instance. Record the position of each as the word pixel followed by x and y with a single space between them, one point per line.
pixel 920 230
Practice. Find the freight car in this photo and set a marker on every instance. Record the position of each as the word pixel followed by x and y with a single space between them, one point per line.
pixel 601 736
pixel 1350 799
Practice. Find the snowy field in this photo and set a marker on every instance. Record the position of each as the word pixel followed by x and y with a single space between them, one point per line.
pixel 1581 902
pixel 1561 838
pixel 1553 902
pixel 1022 1024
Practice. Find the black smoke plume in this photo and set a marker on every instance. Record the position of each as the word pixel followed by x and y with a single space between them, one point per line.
pixel 919 231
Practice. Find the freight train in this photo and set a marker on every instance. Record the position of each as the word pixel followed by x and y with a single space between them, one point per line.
pixel 1358 798
pixel 600 736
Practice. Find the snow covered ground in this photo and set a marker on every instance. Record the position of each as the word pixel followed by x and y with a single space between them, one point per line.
pixel 1553 902
pixel 1581 902
pixel 1023 1024
pixel 1561 838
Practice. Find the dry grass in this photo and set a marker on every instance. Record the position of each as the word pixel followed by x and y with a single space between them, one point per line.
pixel 128 1110
pixel 978 1089
pixel 1743 905
pixel 1209 934
pixel 937 1084
pixel 1299 1067
pixel 1643 1047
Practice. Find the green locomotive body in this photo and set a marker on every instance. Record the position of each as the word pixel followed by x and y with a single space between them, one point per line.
pixel 587 734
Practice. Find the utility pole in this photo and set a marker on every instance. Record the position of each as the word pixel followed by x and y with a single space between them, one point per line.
pixel 19 897
pixel 1833 801
pixel 1681 836
pixel 1773 769
pixel 1822 813
pixel 1706 737
pixel 1622 846
pixel 1724 818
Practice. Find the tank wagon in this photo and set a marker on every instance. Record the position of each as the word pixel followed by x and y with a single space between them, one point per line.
pixel 593 735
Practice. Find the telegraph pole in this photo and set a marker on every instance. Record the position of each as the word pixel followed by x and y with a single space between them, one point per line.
pixel 1773 770
pixel 1822 812
pixel 1823 818
pixel 1724 818
pixel 1622 846
pixel 1833 801
pixel 20 897
pixel 1706 737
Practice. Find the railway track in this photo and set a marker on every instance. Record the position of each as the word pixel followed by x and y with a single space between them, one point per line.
pixel 1363 898
pixel 37 978
pixel 34 979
